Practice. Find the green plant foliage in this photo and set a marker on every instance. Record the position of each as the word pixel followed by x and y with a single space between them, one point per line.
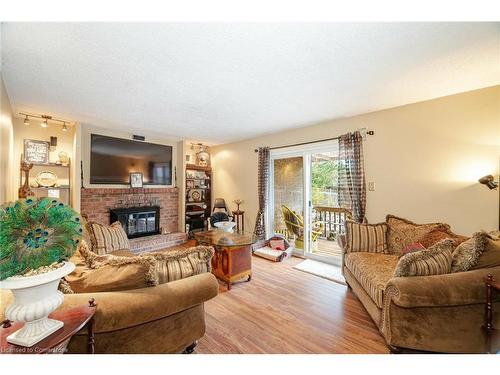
pixel 35 233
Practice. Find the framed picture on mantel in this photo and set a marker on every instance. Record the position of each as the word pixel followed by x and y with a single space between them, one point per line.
pixel 136 180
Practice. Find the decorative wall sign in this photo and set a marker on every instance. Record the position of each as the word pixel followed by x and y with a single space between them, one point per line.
pixel 36 152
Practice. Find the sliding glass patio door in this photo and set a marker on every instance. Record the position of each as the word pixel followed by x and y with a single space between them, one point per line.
pixel 303 203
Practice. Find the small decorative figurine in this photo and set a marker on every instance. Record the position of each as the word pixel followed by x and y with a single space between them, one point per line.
pixel 238 202
pixel 25 191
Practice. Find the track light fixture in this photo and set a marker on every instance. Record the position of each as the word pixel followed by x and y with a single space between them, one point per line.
pixel 45 121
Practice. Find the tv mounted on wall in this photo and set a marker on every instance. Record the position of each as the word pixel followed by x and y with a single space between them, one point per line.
pixel 113 159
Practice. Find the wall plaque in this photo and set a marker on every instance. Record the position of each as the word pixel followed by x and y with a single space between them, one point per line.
pixel 36 152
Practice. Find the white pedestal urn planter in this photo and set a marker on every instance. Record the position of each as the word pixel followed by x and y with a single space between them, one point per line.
pixel 35 297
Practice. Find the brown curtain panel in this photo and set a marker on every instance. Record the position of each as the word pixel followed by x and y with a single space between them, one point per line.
pixel 351 176
pixel 263 184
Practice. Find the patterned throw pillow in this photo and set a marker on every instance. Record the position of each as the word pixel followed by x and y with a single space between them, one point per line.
pixel 109 273
pixel 371 238
pixel 480 251
pixel 107 238
pixel 402 232
pixel 433 261
pixel 277 244
pixel 417 246
pixel 176 264
pixel 434 236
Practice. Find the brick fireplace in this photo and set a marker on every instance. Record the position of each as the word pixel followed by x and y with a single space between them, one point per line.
pixel 97 203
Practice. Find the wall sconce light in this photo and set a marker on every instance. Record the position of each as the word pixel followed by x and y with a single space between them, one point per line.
pixel 489 181
pixel 26 120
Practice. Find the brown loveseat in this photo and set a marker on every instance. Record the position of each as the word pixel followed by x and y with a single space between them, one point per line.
pixel 167 318
pixel 440 313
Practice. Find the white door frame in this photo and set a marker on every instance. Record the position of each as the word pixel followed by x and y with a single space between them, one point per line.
pixel 304 151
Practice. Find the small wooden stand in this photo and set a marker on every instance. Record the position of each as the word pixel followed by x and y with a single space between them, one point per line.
pixel 74 320
pixel 239 219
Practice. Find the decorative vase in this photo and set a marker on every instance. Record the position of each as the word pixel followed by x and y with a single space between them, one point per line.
pixel 35 297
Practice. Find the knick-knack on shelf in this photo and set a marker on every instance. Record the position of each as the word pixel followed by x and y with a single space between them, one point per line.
pixel 25 190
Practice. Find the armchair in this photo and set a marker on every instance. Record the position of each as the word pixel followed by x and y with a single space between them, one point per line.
pixel 295 224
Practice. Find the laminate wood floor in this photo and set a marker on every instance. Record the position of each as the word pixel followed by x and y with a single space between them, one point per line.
pixel 284 310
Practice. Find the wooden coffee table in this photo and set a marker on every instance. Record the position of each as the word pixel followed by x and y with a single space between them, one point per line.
pixel 232 260
pixel 74 320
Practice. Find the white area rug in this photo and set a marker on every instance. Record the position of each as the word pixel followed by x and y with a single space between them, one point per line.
pixel 320 269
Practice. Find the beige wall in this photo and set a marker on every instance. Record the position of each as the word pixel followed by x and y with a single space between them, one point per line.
pixel 6 146
pixel 425 159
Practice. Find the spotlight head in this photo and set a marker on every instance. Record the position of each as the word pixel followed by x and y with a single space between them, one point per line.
pixel 489 181
pixel 26 120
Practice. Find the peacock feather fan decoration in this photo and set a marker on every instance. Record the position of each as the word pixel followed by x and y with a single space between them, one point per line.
pixel 35 233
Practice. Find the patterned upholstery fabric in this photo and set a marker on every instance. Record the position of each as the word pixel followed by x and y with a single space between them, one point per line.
pixel 373 271
pixel 434 236
pixel 433 261
pixel 491 254
pixel 107 273
pixel 480 251
pixel 111 272
pixel 178 264
pixel 402 232
pixel 106 239
pixel 370 238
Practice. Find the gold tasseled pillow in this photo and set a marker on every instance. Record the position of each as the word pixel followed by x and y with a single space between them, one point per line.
pixel 175 264
pixel 108 273
pixel 435 260
pixel 402 232
pixel 480 251
pixel 107 238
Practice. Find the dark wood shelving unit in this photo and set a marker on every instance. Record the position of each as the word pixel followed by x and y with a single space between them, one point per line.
pixel 198 199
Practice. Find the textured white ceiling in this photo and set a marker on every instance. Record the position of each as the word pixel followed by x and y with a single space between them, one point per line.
pixel 220 82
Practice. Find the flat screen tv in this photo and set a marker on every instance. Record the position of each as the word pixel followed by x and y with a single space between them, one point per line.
pixel 113 159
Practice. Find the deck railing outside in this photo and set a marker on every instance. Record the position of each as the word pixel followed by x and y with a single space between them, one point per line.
pixel 333 219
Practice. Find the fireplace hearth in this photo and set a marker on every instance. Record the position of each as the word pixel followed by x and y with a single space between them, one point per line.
pixel 137 221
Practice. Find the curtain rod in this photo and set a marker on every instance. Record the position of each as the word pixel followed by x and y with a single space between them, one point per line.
pixel 368 132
